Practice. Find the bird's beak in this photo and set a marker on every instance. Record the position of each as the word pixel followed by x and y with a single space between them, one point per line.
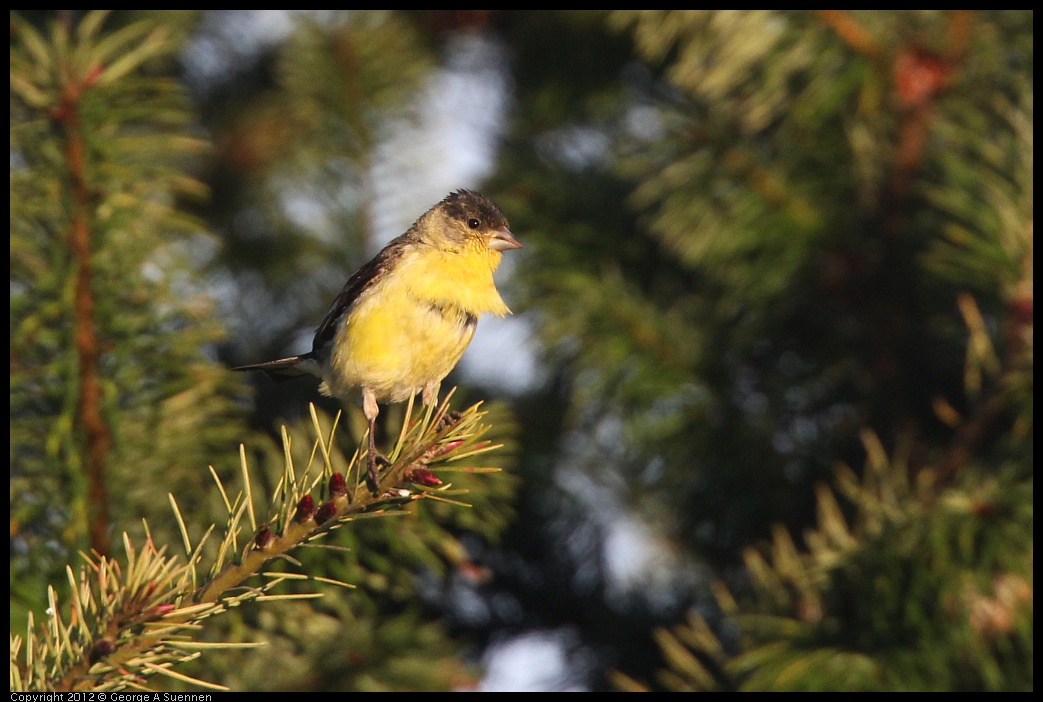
pixel 502 240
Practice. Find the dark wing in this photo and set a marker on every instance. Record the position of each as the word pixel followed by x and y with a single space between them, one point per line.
pixel 357 284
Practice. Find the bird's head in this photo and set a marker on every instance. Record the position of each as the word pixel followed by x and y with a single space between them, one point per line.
pixel 466 219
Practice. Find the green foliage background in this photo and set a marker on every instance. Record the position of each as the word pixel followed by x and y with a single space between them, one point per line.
pixel 778 270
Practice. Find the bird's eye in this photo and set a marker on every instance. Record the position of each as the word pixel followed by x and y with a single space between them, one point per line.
pixel 473 223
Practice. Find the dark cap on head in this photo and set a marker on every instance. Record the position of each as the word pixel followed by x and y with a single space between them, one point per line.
pixel 467 204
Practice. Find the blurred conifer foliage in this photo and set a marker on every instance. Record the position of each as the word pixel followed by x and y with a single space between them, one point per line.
pixel 778 275
pixel 782 266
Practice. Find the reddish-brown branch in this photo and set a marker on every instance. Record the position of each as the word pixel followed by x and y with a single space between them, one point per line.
pixel 853 34
pixel 97 434
pixel 919 77
pixel 960 24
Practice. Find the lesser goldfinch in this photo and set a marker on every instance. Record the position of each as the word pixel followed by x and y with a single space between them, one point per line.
pixel 403 320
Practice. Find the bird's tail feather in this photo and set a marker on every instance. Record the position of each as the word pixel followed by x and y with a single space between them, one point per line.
pixel 284 368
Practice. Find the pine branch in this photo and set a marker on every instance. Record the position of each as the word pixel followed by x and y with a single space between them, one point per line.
pixel 853 34
pixel 809 623
pixel 134 618
pixel 58 82
pixel 96 430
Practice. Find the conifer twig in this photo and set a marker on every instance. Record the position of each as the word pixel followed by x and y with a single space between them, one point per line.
pixel 134 618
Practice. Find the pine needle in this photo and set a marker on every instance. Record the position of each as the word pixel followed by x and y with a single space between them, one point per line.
pixel 165 670
pixel 247 486
pixel 181 524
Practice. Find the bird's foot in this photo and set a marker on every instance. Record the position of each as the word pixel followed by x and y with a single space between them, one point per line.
pixel 372 476
pixel 449 419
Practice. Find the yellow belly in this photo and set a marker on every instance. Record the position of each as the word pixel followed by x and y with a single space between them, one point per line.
pixel 411 328
pixel 397 347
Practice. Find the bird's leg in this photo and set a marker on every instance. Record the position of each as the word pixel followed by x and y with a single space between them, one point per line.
pixel 430 394
pixel 371 409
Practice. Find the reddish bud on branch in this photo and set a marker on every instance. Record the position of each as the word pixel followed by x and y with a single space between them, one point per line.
pixel 305 509
pixel 338 486
pixel 263 538
pixel 325 512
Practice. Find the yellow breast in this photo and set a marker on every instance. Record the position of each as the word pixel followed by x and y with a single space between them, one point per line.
pixel 412 327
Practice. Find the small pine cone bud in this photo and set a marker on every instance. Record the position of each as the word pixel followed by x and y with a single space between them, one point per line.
pixel 305 509
pixel 263 538
pixel 100 649
pixel 325 512
pixel 338 487
pixel 422 476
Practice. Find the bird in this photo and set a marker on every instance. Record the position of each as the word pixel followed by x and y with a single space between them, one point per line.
pixel 403 320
